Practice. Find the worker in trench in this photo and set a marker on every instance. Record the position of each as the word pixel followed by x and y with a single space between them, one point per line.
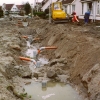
pixel 74 19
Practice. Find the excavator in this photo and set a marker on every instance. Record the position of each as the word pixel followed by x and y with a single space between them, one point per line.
pixel 58 14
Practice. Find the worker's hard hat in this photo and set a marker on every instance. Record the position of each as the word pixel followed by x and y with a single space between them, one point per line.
pixel 74 13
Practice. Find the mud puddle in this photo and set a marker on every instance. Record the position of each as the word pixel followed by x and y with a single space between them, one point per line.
pixel 53 91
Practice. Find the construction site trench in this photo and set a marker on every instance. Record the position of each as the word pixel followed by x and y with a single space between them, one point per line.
pixel 74 63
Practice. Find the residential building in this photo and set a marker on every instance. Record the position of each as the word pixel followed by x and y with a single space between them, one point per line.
pixel 21 9
pixel 71 6
pixel 47 3
pixel 93 6
pixel 12 8
pixel 38 6
pixel 43 2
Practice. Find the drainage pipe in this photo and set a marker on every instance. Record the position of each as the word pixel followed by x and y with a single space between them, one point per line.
pixel 28 37
pixel 52 47
pixel 37 64
pixel 27 59
pixel 43 48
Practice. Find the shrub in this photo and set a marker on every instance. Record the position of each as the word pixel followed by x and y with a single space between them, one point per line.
pixel 1 13
pixel 46 11
pixel 40 14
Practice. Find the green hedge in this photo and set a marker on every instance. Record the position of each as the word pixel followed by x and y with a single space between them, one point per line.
pixel 40 14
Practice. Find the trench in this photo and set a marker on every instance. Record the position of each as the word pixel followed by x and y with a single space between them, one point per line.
pixel 46 89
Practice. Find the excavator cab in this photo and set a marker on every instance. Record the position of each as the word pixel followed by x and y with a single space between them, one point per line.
pixel 57 13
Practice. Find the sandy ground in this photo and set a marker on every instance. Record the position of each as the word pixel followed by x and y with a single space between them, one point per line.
pixel 76 59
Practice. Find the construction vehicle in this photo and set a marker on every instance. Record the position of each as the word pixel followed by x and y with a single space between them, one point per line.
pixel 58 14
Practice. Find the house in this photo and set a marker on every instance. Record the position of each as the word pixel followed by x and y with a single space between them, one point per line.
pixel 72 5
pixel 11 8
pixel 43 2
pixel 82 6
pixel 93 6
pixel 47 3
pixel 79 6
pixel 21 9
pixel 38 6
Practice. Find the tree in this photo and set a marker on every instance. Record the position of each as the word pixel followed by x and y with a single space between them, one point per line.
pixel 1 12
pixel 27 8
pixel 47 11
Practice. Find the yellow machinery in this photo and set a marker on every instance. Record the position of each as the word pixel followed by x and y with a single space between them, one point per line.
pixel 57 13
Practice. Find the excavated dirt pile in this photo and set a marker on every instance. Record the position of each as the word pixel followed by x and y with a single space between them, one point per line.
pixel 76 57
pixel 80 46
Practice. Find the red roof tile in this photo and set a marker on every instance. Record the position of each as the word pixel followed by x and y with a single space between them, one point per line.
pixel 20 7
pixel 9 6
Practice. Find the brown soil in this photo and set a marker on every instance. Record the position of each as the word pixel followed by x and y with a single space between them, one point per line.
pixel 79 44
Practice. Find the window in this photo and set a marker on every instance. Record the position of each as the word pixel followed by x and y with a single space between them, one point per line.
pixel 57 6
pixel 98 7
pixel 73 8
pixel 66 9
pixel 89 7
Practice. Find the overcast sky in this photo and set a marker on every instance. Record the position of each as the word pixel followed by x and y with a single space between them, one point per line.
pixel 17 1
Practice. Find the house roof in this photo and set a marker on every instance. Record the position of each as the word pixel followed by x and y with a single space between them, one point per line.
pixel 9 6
pixel 67 1
pixel 44 1
pixel 82 0
pixel 38 2
pixel 20 7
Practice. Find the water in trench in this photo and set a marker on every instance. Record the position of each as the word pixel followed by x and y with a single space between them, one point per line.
pixel 53 91
pixel 31 52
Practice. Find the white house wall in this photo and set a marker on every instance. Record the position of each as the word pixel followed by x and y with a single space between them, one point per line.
pixel 78 7
pixel 95 17
pixel 68 9
pixel 14 8
pixel 46 5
